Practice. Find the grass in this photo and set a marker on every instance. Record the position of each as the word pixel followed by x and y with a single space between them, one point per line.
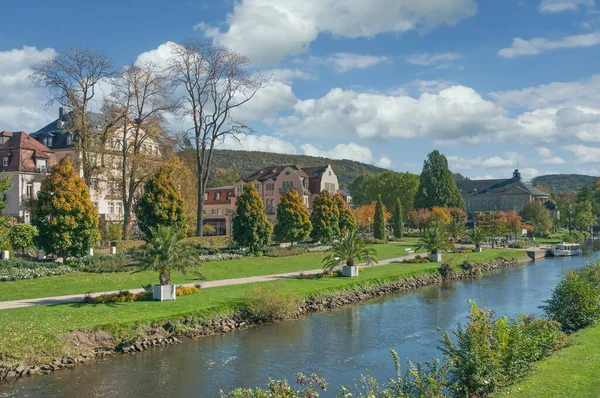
pixel 80 282
pixel 570 372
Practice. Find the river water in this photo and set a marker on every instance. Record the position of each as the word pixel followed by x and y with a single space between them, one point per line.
pixel 339 345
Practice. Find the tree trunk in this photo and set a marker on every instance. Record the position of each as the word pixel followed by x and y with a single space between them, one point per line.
pixel 165 278
pixel 200 213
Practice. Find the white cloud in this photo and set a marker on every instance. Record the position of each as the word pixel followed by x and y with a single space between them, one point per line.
pixel 22 104
pixel 263 143
pixel 349 151
pixel 268 30
pixel 432 86
pixel 511 160
pixel 288 76
pixel 556 6
pixel 439 60
pixel 266 104
pixel 538 45
pixel 584 153
pixel 344 62
pixel 544 152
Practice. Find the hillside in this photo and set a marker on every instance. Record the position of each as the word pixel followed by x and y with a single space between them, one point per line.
pixel 247 162
pixel 555 183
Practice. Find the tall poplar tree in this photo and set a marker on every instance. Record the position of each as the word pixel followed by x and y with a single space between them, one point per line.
pixel 293 223
pixel 437 186
pixel 347 220
pixel 398 220
pixel 251 227
pixel 379 220
pixel 325 218
pixel 160 204
pixel 63 213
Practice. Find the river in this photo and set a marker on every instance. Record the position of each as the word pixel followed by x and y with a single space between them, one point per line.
pixel 338 345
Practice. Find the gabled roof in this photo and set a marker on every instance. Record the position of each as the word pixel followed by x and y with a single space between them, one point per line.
pixel 313 172
pixel 59 129
pixel 22 150
pixel 272 172
pixel 497 186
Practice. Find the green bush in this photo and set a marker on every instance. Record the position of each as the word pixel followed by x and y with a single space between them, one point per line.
pixel 272 303
pixel 575 301
pixel 285 251
pixel 308 388
pixel 22 236
pixel 104 263
pixel 376 241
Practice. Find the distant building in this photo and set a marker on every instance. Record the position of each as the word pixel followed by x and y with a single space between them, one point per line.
pixel 270 182
pixel 499 194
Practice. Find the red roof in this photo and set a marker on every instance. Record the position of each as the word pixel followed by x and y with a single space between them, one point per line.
pixel 22 151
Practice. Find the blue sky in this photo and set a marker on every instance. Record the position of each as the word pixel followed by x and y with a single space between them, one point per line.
pixel 495 85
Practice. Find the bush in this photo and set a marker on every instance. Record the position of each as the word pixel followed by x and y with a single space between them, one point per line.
pixel 416 260
pixel 186 290
pixel 121 297
pixel 575 302
pixel 22 236
pixel 271 303
pixel 285 251
pixel 376 241
pixel 309 387
pixel 104 263
pixel 208 242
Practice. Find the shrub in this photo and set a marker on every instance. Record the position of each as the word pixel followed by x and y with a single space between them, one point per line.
pixel 285 251
pixel 309 387
pixel 186 290
pixel 120 297
pixel 575 301
pixel 416 260
pixel 376 241
pixel 104 263
pixel 22 236
pixel 271 303
pixel 19 273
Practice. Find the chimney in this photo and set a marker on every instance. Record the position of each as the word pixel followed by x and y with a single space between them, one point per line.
pixel 61 112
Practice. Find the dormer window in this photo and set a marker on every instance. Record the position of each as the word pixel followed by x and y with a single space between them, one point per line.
pixel 5 161
pixel 41 165
pixel 48 141
pixel 2 139
pixel 69 139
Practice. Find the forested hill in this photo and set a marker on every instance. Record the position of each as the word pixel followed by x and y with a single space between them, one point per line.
pixel 247 162
pixel 555 183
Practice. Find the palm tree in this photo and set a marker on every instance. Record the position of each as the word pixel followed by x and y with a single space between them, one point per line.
pixel 456 229
pixel 165 252
pixel 434 239
pixel 477 236
pixel 350 250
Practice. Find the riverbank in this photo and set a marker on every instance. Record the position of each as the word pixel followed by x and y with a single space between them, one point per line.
pixel 63 335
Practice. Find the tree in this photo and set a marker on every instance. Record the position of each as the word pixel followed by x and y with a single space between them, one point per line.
pixel 477 236
pixel 23 236
pixel 5 186
pixel 584 218
pixel 398 220
pixel 493 223
pixel 63 213
pixel 165 252
pixel 514 223
pixel 536 214
pixel 390 185
pixel 140 101
pixel 592 193
pixel 185 182
pixel 441 215
pixel 348 250
pixel 379 221
pixel 365 215
pixel 437 186
pixel 223 177
pixel 565 203
pixel 346 220
pixel 456 229
pixel 72 77
pixel 293 223
pixel 160 203
pixel 325 218
pixel 434 239
pixel 458 214
pixel 251 227
pixel 216 81
pixel 420 218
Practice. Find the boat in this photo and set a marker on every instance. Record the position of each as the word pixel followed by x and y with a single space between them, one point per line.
pixel 566 249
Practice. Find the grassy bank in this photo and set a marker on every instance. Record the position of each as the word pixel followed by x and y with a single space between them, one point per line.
pixel 39 333
pixel 571 372
pixel 81 282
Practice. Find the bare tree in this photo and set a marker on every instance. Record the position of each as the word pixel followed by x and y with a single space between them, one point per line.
pixel 71 78
pixel 140 100
pixel 216 80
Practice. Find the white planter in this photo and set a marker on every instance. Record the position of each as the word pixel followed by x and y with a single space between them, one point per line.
pixel 41 255
pixel 435 258
pixel 5 254
pixel 113 250
pixel 351 272
pixel 163 292
pixel 478 250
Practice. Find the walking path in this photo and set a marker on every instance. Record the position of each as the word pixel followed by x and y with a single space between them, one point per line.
pixel 78 298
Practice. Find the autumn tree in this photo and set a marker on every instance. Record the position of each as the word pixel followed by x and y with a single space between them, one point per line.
pixel 420 218
pixel 72 77
pixel 437 186
pixel 365 215
pixel 536 215
pixel 160 203
pixel 293 220
pixel 325 218
pixel 251 227
pixel 67 222
pixel 441 215
pixel 493 224
pixel 185 182
pixel 458 214
pixel 398 220
pixel 514 223
pixel 379 220
pixel 216 81
pixel 347 221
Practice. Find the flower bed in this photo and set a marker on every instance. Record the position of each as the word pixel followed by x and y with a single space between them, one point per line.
pixel 416 260
pixel 126 296
pixel 16 274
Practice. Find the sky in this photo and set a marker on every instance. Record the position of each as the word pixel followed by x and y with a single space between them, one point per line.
pixel 494 85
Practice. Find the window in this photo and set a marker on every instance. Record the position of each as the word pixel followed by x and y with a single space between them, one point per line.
pixel 287 185
pixel 118 207
pixel 41 165
pixel 476 204
pixel 5 161
pixel 69 139
pixel 48 141
pixel 111 207
pixel 468 204
pixel 240 188
pixel 29 192
pixel 2 140
pixel 213 211
pixel 270 186
pixel 257 186
pixel 217 195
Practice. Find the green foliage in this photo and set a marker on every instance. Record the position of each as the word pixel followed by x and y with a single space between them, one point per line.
pixel 590 193
pixel 273 303
pixel 5 186
pixel 63 213
pixel 293 223
pixel 437 186
pixel 160 203
pixel 165 252
pixel 456 229
pixel 398 220
pixel 104 263
pixel 347 219
pixel 556 183
pixel 536 214
pixel 309 387
pixel 390 185
pixel 325 218
pixel 434 239
pixel 584 218
pixel 565 203
pixel 251 227
pixel 22 236
pixel 222 177
pixel 379 220
pixel 349 250
pixel 575 301
pixel 5 242
pixel 477 236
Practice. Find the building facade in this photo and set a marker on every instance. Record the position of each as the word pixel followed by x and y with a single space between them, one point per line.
pixel 499 194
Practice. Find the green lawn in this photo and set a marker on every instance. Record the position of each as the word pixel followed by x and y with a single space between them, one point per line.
pixel 573 371
pixel 80 283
